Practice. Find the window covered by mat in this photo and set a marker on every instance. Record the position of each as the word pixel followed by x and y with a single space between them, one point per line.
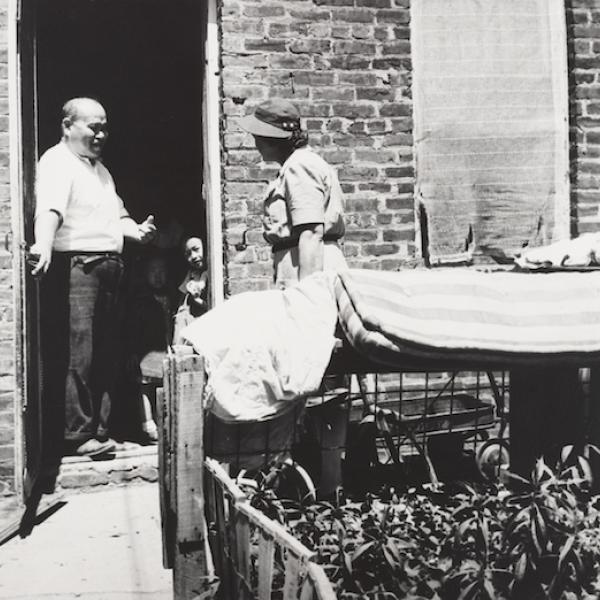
pixel 491 125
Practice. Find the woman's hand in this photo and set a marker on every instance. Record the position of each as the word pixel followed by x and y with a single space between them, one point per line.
pixel 310 249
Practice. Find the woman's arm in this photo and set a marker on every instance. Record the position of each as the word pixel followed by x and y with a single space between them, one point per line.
pixel 310 249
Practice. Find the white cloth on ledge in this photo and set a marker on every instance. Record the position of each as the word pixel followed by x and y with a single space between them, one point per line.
pixel 265 349
pixel 582 251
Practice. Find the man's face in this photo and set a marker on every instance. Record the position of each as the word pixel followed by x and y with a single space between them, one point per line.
pixel 86 133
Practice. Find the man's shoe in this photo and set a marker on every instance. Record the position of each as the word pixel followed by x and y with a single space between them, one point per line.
pixel 94 447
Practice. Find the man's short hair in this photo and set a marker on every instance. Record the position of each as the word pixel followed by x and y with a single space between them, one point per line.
pixel 72 108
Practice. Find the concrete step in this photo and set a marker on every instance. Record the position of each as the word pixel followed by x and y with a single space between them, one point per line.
pixel 130 463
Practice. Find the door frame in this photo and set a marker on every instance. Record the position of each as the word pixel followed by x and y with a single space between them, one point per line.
pixel 211 139
pixel 212 191
pixel 17 236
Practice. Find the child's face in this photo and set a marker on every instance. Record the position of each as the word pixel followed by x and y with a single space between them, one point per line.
pixel 194 253
pixel 156 273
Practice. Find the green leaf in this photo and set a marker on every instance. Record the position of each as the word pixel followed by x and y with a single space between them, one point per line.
pixel 489 589
pixel 391 559
pixel 470 591
pixel 534 538
pixel 361 550
pixel 521 567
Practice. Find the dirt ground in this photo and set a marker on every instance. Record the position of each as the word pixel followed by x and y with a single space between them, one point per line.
pixel 103 545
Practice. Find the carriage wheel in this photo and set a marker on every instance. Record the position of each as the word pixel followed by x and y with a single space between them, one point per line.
pixel 292 482
pixel 493 458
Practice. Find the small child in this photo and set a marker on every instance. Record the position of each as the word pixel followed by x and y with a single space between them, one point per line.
pixel 194 287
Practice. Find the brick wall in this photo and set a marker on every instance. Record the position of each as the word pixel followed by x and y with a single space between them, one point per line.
pixel 346 64
pixel 7 334
pixel 583 22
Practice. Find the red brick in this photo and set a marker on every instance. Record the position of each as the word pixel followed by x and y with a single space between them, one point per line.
pixel 353 173
pixel 314 78
pixel 397 235
pixel 334 2
pixel 375 93
pixel 392 62
pixel 402 47
pixel 374 3
pixel 583 77
pixel 393 109
pixel 264 45
pixel 377 186
pixel 380 249
pixel 395 17
pixel 361 15
pixel 399 172
pixel 353 110
pixel 405 202
pixel 360 235
pixel 358 205
pixel 264 10
pixel 354 47
pixel 376 155
pixel 580 17
pixel 310 15
pixel 588 92
pixel 585 31
pixel 310 46
pixel 289 61
pixel 334 93
pixel 350 62
pixel 358 78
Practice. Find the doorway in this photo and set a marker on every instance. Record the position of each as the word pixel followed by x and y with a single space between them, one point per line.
pixel 143 60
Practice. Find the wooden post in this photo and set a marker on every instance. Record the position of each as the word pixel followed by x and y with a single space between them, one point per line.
pixel 181 459
pixel 546 413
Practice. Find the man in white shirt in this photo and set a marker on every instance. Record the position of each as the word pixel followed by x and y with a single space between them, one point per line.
pixel 80 225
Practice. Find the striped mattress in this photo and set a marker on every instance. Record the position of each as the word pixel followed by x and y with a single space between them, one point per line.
pixel 467 316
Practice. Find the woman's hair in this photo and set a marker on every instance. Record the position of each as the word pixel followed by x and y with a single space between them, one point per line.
pixel 299 138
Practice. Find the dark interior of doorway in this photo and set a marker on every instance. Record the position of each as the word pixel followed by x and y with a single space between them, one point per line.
pixel 142 59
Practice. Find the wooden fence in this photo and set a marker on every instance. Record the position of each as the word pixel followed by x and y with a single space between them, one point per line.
pixel 217 544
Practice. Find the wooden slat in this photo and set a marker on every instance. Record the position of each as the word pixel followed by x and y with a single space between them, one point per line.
pixel 294 565
pixel 162 491
pixel 299 570
pixel 223 559
pixel 189 449
pixel 170 427
pixel 266 556
pixel 242 530
pixel 321 585
pixel 185 379
pixel 279 533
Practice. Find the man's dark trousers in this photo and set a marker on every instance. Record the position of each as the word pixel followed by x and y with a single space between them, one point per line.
pixel 79 327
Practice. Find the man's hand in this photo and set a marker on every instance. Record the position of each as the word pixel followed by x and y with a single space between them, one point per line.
pixel 46 225
pixel 39 257
pixel 138 232
pixel 146 230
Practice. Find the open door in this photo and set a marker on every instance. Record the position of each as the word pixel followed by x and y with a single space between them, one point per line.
pixel 32 384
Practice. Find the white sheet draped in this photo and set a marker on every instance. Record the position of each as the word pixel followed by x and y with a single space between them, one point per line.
pixel 264 349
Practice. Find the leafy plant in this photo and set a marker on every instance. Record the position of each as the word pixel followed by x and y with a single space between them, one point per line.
pixel 533 538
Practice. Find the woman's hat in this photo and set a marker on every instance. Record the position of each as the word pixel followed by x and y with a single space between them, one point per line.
pixel 273 118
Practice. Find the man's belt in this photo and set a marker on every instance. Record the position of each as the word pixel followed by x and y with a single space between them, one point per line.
pixel 87 253
pixel 293 242
pixel 89 258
